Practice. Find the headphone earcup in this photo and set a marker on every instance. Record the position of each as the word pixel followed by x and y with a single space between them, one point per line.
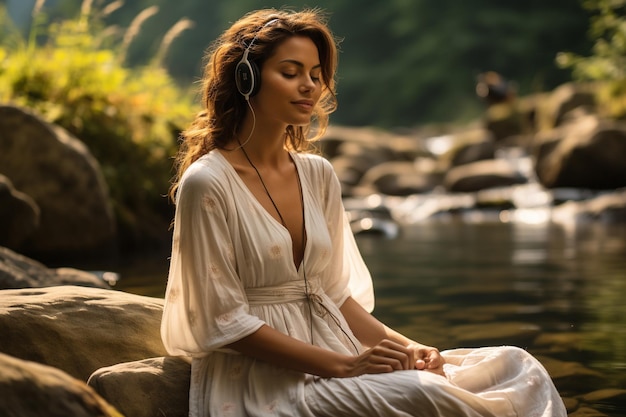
pixel 247 78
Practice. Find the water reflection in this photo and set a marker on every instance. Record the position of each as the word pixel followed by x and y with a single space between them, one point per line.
pixel 557 290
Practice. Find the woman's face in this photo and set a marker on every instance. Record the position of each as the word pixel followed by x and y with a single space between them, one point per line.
pixel 291 83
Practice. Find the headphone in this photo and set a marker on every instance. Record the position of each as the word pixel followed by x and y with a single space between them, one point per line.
pixel 247 73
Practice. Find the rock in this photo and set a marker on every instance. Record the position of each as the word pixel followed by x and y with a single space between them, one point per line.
pixel 587 412
pixel 586 153
pixel 18 271
pixel 79 329
pixel 487 334
pixel 572 376
pixel 502 120
pixel 350 169
pixel 610 207
pixel 146 388
pixel 552 111
pixel 19 215
pixel 58 172
pixel 480 175
pixel 571 404
pixel 604 395
pixel 469 146
pixel 30 389
pixel 397 178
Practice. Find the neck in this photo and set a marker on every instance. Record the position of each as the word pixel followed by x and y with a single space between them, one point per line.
pixel 263 142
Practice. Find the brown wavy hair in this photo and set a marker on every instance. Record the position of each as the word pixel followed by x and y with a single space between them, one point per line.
pixel 224 107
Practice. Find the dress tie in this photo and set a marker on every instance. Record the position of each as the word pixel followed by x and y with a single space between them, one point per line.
pixel 288 292
pixel 294 291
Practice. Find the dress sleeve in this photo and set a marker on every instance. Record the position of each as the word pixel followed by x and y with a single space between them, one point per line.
pixel 348 274
pixel 205 303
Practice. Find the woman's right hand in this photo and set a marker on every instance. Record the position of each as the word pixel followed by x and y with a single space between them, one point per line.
pixel 386 356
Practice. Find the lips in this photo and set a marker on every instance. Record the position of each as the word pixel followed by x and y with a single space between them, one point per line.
pixel 304 104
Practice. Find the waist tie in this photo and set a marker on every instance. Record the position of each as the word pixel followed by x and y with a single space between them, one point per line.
pixel 288 292
pixel 294 291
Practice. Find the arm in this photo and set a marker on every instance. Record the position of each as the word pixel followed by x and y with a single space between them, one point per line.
pixel 372 332
pixel 276 348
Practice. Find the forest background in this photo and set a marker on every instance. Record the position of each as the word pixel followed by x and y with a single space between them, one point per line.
pixel 402 62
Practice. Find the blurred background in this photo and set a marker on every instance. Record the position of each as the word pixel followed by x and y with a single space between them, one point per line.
pixel 402 62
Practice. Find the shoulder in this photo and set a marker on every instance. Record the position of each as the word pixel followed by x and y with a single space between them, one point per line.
pixel 207 174
pixel 316 166
pixel 320 176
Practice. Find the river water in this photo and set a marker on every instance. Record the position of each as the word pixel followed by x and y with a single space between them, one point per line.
pixel 556 290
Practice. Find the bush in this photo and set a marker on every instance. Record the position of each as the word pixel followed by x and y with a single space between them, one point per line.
pixel 607 64
pixel 72 73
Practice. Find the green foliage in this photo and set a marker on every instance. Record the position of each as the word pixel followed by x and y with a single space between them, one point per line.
pixel 402 62
pixel 607 63
pixel 129 118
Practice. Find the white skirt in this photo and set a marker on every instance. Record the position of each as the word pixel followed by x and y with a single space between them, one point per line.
pixel 484 382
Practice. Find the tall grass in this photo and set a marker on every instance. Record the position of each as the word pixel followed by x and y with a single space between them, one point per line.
pixel 72 72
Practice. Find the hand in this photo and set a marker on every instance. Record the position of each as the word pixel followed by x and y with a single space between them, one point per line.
pixel 386 356
pixel 427 358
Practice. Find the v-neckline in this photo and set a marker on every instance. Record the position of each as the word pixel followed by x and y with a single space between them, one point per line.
pixel 266 213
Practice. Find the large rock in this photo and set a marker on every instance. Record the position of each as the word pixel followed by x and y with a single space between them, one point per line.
pixel 588 153
pixel 399 178
pixel 469 146
pixel 481 175
pixel 553 110
pixel 146 388
pixel 19 215
pixel 79 329
pixel 58 172
pixel 354 151
pixel 18 271
pixel 29 389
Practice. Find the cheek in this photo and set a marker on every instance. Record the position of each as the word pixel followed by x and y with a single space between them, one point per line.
pixel 274 83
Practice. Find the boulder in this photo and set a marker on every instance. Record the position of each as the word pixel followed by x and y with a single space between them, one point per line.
pixel 146 388
pixel 469 146
pixel 79 329
pixel 588 153
pixel 481 175
pixel 397 178
pixel 19 215
pixel 30 389
pixel 18 271
pixel 59 173
pixel 553 110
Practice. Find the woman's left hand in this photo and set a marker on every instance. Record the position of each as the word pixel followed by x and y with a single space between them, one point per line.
pixel 427 358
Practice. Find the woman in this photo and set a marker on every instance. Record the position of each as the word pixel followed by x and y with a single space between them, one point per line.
pixel 267 291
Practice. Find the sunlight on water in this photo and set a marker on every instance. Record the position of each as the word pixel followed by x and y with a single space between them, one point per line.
pixel 556 290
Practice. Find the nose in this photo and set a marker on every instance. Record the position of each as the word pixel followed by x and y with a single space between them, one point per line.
pixel 307 84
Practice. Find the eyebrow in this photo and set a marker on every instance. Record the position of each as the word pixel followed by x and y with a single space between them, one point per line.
pixel 298 63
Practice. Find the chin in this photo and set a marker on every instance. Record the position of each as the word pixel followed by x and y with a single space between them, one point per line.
pixel 301 121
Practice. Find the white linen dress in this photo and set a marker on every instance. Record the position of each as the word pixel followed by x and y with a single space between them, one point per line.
pixel 232 271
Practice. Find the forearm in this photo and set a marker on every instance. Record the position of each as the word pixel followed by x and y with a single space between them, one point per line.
pixel 371 332
pixel 367 328
pixel 276 348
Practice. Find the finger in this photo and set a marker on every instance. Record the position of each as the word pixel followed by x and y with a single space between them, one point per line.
pixel 391 349
pixel 399 360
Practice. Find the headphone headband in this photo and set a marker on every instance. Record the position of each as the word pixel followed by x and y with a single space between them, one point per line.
pixel 247 75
